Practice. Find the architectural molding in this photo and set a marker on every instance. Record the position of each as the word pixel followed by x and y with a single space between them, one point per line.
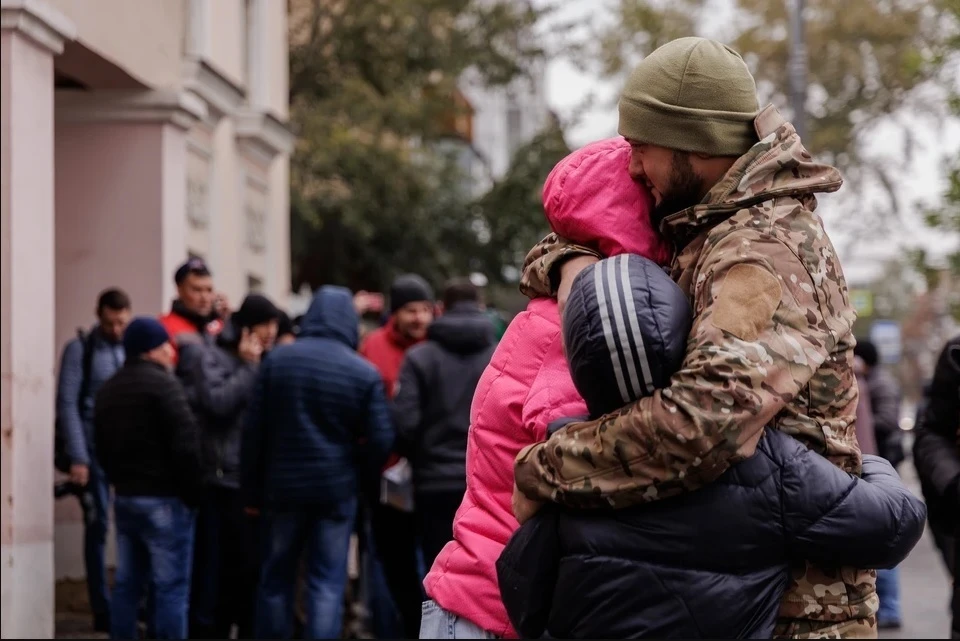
pixel 222 96
pixel 263 134
pixel 39 22
pixel 179 108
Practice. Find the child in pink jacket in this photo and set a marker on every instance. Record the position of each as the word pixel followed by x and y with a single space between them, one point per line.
pixel 590 199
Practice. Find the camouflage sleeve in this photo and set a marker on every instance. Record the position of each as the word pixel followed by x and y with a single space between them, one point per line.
pixel 756 341
pixel 539 278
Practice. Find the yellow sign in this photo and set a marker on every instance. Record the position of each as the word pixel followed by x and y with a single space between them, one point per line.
pixel 862 301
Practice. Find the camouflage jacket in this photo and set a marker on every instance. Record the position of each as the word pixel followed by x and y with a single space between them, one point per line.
pixel 771 345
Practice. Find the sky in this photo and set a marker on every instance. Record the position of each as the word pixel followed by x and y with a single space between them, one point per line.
pixel 919 181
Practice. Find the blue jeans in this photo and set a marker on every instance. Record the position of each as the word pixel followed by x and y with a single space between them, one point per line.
pixel 437 623
pixel 325 533
pixel 96 510
pixel 155 548
pixel 888 589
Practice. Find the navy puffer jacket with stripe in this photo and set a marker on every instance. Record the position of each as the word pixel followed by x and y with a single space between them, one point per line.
pixel 710 564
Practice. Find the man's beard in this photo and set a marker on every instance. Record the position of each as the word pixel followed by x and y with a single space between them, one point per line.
pixel 686 189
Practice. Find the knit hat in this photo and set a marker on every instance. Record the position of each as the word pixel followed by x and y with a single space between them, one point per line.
pixel 254 310
pixel 691 94
pixel 409 288
pixel 625 331
pixel 143 334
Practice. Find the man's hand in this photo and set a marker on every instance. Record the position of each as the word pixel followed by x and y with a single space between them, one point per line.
pixel 523 508
pixel 568 272
pixel 250 348
pixel 79 474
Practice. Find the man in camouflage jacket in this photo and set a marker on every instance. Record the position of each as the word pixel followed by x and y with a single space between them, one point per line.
pixel 771 344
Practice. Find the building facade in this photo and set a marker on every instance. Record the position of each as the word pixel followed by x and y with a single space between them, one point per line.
pixel 134 135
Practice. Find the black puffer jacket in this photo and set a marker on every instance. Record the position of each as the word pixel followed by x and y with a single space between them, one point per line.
pixel 432 405
pixel 219 385
pixel 711 564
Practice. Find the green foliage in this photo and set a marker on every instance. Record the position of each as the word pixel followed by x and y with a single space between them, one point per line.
pixel 373 92
pixel 512 212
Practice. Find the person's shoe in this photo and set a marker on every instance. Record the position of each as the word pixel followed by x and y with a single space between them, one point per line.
pixel 889 624
pixel 101 623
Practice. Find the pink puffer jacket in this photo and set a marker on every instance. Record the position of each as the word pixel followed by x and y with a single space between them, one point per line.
pixel 590 199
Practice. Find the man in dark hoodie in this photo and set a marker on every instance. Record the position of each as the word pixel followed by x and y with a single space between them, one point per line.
pixel 220 380
pixel 432 410
pixel 313 402
pixel 708 564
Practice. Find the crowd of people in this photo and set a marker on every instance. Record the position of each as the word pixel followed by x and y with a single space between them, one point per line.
pixel 680 436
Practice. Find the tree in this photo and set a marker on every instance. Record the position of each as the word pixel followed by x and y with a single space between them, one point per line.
pixel 867 59
pixel 510 216
pixel 373 93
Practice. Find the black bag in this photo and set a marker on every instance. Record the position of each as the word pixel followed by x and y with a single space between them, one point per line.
pixel 61 460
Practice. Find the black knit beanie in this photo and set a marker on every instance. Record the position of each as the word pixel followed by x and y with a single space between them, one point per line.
pixel 409 288
pixel 254 310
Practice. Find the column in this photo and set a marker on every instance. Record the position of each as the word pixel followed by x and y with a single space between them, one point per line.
pixel 121 198
pixel 32 34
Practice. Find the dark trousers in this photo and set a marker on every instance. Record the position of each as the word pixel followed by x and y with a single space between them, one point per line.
pixel 435 514
pixel 395 541
pixel 224 569
pixel 96 508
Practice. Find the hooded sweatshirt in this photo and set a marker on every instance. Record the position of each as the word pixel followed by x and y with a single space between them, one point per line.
pixel 588 196
pixel 314 400
pixel 434 393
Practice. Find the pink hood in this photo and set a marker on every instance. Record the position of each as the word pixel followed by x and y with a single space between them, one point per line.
pixel 590 199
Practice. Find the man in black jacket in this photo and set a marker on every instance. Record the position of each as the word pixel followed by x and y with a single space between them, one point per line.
pixel 432 410
pixel 936 454
pixel 148 442
pixel 219 379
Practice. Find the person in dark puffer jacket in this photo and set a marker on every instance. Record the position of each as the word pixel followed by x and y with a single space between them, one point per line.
pixel 710 564
pixel 219 379
pixel 313 402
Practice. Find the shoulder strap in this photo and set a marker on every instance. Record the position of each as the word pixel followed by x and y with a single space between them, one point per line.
pixel 86 340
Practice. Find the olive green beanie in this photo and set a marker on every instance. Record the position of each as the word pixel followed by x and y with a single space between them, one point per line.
pixel 691 94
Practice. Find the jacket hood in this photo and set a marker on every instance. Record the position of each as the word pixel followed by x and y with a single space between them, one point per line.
pixel 590 199
pixel 332 315
pixel 625 331
pixel 464 329
pixel 777 166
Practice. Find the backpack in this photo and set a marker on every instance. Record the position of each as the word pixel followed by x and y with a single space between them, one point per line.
pixel 61 459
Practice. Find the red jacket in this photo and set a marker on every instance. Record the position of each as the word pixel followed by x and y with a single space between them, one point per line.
pixel 385 347
pixel 183 331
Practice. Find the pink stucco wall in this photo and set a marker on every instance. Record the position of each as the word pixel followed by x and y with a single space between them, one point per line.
pixel 120 197
pixel 26 256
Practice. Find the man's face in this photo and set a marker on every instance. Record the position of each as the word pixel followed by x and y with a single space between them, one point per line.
pixel 670 177
pixel 413 319
pixel 196 294
pixel 113 322
pixel 267 333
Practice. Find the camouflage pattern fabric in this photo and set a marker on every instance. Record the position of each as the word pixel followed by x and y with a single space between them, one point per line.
pixel 771 345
